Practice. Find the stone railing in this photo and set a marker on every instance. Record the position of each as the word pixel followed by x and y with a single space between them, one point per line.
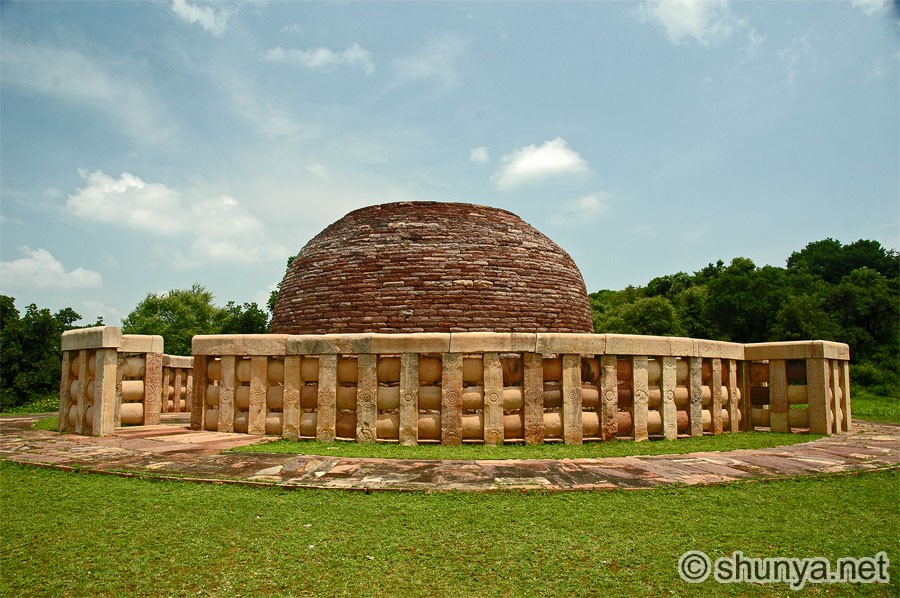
pixel 800 385
pixel 502 387
pixel 178 382
pixel 109 379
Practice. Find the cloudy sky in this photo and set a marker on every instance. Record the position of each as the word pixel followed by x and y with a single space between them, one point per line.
pixel 151 145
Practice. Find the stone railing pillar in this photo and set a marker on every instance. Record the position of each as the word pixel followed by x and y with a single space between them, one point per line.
pixel 808 385
pixel 108 379
pixel 508 387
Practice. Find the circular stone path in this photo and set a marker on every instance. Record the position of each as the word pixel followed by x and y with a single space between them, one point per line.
pixel 172 451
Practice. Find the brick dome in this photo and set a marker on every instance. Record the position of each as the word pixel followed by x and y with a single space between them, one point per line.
pixel 431 267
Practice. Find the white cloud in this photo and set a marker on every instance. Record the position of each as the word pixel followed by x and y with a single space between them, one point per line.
pixel 792 56
pixel 38 269
pixel 271 120
pixel 479 155
pixel 220 227
pixel 436 60
pixel 872 7
pixel 51 193
pixel 534 163
pixel 318 170
pixel 874 72
pixel 323 58
pixel 754 41
pixel 583 210
pixel 92 309
pixel 703 20
pixel 70 75
pixel 292 28
pixel 212 20
pixel 127 201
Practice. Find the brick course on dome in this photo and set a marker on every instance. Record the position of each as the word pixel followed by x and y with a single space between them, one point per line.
pixel 431 267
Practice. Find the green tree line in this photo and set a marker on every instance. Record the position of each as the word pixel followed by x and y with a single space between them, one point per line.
pixel 182 313
pixel 826 291
pixel 30 352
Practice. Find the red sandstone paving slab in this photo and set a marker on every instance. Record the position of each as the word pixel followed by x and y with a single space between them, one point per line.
pixel 32 458
pixel 724 471
pixel 156 430
pixel 843 452
pixel 194 461
pixel 776 465
pixel 658 472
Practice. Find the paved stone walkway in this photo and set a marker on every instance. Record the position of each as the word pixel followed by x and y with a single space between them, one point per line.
pixel 172 450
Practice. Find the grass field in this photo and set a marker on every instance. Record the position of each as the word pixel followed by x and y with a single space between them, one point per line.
pixel 871 407
pixel 70 534
pixel 589 450
pixel 48 403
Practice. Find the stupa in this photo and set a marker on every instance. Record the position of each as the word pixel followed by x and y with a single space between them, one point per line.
pixel 431 267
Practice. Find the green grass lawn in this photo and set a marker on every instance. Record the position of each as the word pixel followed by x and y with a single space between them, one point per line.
pixel 48 403
pixel 871 407
pixel 589 450
pixel 70 534
pixel 48 423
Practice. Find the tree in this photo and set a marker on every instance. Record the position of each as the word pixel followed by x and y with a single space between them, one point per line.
pixel 805 317
pixel 246 319
pixel 831 261
pixel 819 258
pixel 177 315
pixel 743 300
pixel 867 311
pixel 647 315
pixel 30 350
pixel 828 291
pixel 669 286
pixel 691 307
pixel 273 296
pixel 182 313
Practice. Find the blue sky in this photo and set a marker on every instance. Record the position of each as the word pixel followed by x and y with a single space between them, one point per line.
pixel 147 146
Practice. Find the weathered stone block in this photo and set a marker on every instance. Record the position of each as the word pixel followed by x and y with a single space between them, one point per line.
pixel 142 343
pixel 326 400
pixel 259 382
pixel 609 423
pixel 716 384
pixel 153 388
pixel 239 344
pixel 548 343
pixel 367 398
pixel 573 430
pixel 533 385
pixel 778 418
pixel 409 399
pixel 292 408
pixel 696 396
pixel 493 399
pixel 496 342
pixel 668 411
pixel 818 396
pixel 640 390
pixel 91 338
pixel 451 399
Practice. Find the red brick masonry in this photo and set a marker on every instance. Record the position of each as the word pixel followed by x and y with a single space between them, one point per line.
pixel 431 267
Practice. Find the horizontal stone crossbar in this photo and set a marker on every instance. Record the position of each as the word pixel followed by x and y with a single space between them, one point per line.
pixel 477 342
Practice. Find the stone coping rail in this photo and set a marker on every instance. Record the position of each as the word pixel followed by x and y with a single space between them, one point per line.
pixel 488 387
pixel 493 387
